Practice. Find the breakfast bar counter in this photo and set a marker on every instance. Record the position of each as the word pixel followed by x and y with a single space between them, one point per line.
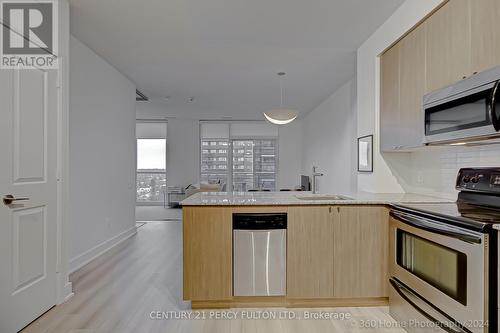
pixel 290 198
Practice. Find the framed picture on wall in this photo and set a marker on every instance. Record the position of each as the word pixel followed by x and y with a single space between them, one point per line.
pixel 365 153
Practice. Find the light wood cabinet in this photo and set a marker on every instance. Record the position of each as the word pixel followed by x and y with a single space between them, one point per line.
pixel 485 34
pixel 459 39
pixel 361 251
pixel 402 86
pixel 389 99
pixel 207 253
pixel 345 246
pixel 448 45
pixel 412 88
pixel 310 265
pixel 334 254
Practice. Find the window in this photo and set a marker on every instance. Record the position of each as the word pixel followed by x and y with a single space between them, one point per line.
pixel 446 271
pixel 214 163
pixel 151 177
pixel 232 156
pixel 254 164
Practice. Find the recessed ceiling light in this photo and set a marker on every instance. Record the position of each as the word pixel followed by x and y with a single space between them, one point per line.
pixel 191 99
pixel 166 98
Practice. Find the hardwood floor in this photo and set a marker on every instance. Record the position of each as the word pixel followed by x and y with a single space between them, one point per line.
pixel 118 292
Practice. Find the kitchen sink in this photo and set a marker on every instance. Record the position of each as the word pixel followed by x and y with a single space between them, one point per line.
pixel 323 197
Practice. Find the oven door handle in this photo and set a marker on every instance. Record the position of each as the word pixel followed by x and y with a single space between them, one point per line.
pixel 492 107
pixel 437 227
pixel 426 309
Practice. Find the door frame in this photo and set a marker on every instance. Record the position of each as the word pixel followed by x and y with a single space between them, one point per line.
pixel 64 287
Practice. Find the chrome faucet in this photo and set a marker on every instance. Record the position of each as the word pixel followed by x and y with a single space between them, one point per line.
pixel 314 175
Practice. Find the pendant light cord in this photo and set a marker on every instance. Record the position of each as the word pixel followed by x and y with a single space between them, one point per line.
pixel 281 91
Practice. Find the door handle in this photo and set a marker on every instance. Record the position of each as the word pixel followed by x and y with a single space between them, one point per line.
pixel 426 309
pixel 437 227
pixel 9 199
pixel 495 119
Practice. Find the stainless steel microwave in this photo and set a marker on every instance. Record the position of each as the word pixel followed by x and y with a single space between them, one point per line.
pixel 468 111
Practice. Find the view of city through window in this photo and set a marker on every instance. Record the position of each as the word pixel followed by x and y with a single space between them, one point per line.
pixel 151 173
pixel 253 163
pixel 214 161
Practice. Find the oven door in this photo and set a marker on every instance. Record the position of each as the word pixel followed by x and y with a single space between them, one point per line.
pixel 470 114
pixel 445 266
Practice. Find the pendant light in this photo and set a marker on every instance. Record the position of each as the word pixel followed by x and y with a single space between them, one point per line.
pixel 282 115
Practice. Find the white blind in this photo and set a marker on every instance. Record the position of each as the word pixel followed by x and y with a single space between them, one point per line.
pixel 151 130
pixel 260 129
pixel 214 131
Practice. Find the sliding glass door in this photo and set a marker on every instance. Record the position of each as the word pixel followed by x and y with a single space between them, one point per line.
pixel 214 160
pixel 254 164
pixel 241 156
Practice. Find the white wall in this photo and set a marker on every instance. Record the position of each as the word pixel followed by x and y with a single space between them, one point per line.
pixel 329 141
pixel 183 152
pixel 290 150
pixel 429 170
pixel 101 155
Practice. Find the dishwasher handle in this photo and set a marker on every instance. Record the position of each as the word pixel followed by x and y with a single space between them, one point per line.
pixel 259 221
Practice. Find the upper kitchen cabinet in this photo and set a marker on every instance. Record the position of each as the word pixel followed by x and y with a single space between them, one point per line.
pixel 448 45
pixel 402 86
pixel 485 34
pixel 412 87
pixel 389 99
pixel 459 39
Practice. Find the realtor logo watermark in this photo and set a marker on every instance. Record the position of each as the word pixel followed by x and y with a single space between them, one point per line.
pixel 29 34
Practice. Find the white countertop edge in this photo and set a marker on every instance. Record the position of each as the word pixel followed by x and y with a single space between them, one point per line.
pixel 290 199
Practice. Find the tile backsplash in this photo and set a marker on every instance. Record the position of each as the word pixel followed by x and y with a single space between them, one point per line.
pixel 434 170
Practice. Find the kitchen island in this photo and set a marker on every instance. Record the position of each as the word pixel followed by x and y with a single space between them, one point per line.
pixel 336 247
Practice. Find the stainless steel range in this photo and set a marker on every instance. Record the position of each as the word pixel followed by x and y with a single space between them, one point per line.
pixel 443 262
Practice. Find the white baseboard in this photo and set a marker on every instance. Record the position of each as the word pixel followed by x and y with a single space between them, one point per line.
pixel 86 257
pixel 68 291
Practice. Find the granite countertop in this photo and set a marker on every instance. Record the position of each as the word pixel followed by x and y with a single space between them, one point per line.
pixel 291 198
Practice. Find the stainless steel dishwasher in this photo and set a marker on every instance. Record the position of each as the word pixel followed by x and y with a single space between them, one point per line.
pixel 259 254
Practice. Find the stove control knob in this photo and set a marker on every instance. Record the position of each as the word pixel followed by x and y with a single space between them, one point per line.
pixel 466 179
pixel 474 179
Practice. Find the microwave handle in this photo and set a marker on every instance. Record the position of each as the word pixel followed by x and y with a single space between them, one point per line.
pixel 437 227
pixel 495 118
pixel 419 304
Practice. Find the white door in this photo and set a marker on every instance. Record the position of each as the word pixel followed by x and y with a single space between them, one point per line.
pixel 28 161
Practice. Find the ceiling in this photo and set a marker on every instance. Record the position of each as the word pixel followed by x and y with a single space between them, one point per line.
pixel 226 53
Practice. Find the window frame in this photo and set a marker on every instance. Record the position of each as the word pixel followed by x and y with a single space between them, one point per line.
pixel 137 172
